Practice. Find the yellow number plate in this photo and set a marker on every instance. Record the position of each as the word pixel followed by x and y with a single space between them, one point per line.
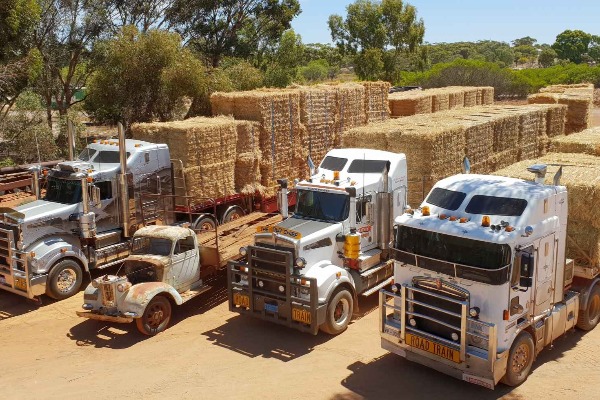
pixel 432 347
pixel 241 300
pixel 301 315
pixel 20 283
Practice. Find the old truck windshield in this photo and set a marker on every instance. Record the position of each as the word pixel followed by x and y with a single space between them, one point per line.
pixel 456 256
pixel 63 191
pixel 151 246
pixel 322 205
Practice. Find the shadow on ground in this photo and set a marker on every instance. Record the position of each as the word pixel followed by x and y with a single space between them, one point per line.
pixel 414 381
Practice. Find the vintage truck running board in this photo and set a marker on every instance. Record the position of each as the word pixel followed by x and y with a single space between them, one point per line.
pixel 190 294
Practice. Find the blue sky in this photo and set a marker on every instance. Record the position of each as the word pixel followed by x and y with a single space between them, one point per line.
pixel 470 20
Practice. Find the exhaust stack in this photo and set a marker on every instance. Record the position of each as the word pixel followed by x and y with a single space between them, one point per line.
pixel 557 176
pixel 35 171
pixel 71 140
pixel 123 186
pixel 466 166
pixel 384 212
pixel 283 197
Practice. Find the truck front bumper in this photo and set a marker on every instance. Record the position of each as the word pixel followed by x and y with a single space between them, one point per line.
pixel 102 317
pixel 17 282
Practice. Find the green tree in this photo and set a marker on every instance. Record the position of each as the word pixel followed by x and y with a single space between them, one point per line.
pixel 284 61
pixel 238 28
pixel 547 57
pixel 242 74
pixel 572 45
pixel 143 14
pixel 388 30
pixel 141 77
pixel 19 62
pixel 315 71
pixel 525 41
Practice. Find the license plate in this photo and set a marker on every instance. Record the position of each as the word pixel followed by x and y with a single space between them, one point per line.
pixel 391 331
pixel 20 283
pixel 241 300
pixel 301 315
pixel 432 347
pixel 272 308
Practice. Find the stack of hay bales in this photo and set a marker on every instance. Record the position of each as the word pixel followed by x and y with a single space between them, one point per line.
pixel 439 99
pixel 583 184
pixel 435 144
pixel 578 99
pixel 277 113
pixel 585 142
pixel 247 161
pixel 376 101
pixel 207 147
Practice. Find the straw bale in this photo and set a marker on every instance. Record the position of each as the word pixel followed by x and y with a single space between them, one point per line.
pixel 587 238
pixel 456 98
pixel 410 103
pixel 587 142
pixel 479 139
pixel 350 100
pixel 195 140
pixel 470 96
pixel 247 172
pixel 440 101
pixel 579 112
pixel 376 101
pixel 543 98
pixel 555 122
pixel 506 129
pixel 318 112
pixel 487 95
pixel 221 104
pixel 211 180
pixel 248 136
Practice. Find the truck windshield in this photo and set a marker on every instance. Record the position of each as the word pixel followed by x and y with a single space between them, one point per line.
pixel 456 256
pixel 87 154
pixel 322 205
pixel 65 191
pixel 151 246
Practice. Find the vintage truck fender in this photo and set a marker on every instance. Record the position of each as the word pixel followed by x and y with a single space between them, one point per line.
pixel 138 296
pixel 48 251
pixel 329 278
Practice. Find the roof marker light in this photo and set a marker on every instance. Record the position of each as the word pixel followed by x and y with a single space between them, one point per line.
pixel 485 221
pixel 509 229
pixel 425 211
pixel 463 220
pixel 443 216
pixel 453 218
pixel 336 175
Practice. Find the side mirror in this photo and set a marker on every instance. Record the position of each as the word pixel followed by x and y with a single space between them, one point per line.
pixel 527 261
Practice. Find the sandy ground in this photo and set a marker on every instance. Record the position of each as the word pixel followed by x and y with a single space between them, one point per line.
pixel 210 353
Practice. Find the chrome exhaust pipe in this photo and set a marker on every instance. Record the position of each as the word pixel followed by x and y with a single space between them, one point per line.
pixel 283 197
pixel 123 185
pixel 384 212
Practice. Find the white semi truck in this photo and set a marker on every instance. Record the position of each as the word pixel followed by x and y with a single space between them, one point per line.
pixel 308 271
pixel 481 283
pixel 83 221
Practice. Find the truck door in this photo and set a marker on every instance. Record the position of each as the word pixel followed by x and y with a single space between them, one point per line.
pixel 185 268
pixel 365 222
pixel 522 292
pixel 544 290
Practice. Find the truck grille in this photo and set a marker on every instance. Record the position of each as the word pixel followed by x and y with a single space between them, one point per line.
pixel 436 307
pixel 9 234
pixel 108 294
pixel 269 270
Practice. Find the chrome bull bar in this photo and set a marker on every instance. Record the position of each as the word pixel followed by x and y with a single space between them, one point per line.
pixel 15 276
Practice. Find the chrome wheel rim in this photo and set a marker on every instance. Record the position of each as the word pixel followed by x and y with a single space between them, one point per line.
pixel 66 280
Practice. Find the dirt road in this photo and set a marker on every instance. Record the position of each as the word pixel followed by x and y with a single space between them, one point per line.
pixel 210 353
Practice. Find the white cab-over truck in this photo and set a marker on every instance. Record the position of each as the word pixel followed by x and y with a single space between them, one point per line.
pixel 308 271
pixel 481 283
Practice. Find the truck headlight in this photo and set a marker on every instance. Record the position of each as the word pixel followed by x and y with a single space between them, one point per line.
pixel 121 287
pixel 261 284
pixel 300 262
pixel 19 245
pixel 474 312
pixel 243 251
pixel 95 283
pixel 454 336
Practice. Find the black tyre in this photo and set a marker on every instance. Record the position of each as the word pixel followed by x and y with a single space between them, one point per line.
pixel 589 317
pixel 205 222
pixel 64 279
pixel 339 312
pixel 156 316
pixel 232 213
pixel 520 359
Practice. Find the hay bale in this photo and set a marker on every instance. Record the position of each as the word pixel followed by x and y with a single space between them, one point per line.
pixel 410 103
pixel 248 136
pixel 585 142
pixel 578 99
pixel 456 97
pixel 247 172
pixel 555 121
pixel 440 101
pixel 470 96
pixel 376 101
pixel 194 141
pixel 211 180
pixel 350 100
pixel 318 113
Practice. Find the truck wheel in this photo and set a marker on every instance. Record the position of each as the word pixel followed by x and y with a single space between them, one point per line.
pixel 64 279
pixel 156 316
pixel 339 312
pixel 589 317
pixel 232 213
pixel 205 222
pixel 520 359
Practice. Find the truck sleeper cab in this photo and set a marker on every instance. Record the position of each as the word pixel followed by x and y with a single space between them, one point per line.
pixel 481 280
